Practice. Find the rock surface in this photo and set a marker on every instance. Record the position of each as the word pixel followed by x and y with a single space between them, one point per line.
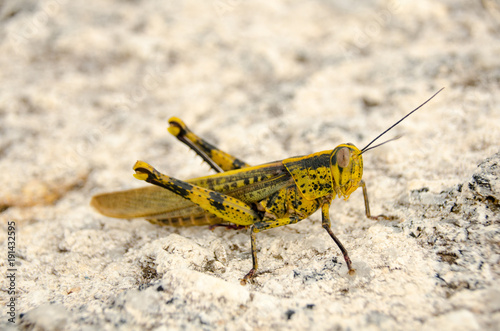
pixel 87 88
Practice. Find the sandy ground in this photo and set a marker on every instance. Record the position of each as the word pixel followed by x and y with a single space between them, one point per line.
pixel 87 88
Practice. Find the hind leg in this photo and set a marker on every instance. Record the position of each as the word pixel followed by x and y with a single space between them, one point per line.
pixel 218 160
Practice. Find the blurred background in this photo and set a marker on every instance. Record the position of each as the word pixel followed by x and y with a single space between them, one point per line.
pixel 87 87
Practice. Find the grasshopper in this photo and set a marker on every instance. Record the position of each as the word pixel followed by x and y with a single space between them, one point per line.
pixel 260 197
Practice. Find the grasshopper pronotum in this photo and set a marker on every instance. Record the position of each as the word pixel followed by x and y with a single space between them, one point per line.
pixel 260 197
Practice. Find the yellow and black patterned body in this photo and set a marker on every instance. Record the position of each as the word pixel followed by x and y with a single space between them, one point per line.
pixel 259 197
pixel 262 197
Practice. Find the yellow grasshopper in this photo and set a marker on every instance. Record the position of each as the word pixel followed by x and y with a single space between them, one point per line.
pixel 260 197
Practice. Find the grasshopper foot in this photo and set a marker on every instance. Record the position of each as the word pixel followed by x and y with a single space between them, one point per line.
pixel 351 271
pixel 248 277
pixel 383 217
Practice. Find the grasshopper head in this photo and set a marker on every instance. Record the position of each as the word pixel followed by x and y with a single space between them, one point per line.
pixel 346 163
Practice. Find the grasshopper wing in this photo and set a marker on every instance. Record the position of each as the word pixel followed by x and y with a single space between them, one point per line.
pixel 141 202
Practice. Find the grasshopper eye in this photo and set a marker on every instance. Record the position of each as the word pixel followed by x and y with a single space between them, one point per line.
pixel 343 157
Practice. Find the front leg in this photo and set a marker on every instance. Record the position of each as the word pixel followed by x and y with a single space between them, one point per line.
pixel 367 206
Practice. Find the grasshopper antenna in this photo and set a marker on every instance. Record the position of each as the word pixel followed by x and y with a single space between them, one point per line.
pixel 392 126
pixel 385 142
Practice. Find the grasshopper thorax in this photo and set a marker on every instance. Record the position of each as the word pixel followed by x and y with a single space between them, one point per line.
pixel 346 164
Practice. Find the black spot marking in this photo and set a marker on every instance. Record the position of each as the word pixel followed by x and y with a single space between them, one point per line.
pixel 237 164
pixel 217 201
pixel 179 187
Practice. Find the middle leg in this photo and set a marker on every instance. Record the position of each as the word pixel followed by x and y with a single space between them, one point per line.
pixel 325 210
pixel 265 224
